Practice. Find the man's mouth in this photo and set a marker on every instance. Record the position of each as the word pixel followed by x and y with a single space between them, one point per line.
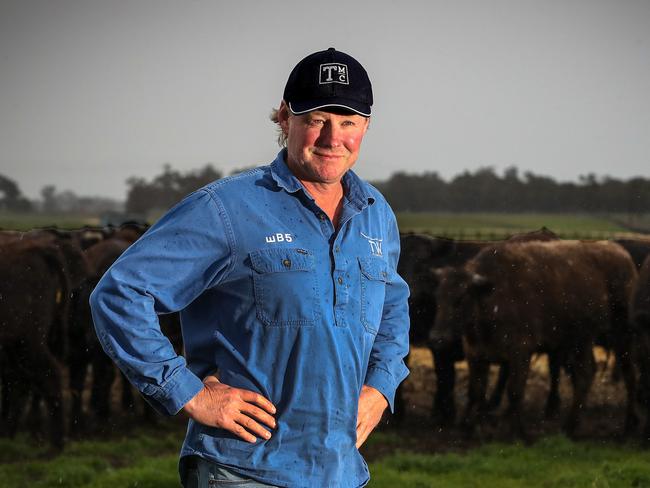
pixel 328 155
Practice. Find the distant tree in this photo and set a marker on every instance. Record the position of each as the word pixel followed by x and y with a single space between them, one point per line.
pixel 67 201
pixel 485 190
pixel 166 189
pixel 11 197
pixel 48 194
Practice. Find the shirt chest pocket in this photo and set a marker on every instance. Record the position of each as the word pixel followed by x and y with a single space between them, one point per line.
pixel 373 291
pixel 285 287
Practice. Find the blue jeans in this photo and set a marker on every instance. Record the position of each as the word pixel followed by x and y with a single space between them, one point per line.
pixel 197 472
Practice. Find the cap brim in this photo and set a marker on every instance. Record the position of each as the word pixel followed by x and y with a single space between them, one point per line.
pixel 298 108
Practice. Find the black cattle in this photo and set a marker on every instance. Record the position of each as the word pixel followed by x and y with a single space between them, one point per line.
pixel 37 276
pixel 419 254
pixel 88 350
pixel 516 299
pixel 638 249
pixel 641 321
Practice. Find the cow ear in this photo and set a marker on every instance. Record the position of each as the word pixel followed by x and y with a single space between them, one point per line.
pixel 480 283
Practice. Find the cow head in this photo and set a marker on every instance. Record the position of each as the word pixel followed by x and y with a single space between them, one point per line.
pixel 458 293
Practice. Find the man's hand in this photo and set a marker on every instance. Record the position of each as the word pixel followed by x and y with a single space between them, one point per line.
pixel 241 412
pixel 371 407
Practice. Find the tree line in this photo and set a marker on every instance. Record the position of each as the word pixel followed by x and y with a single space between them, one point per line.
pixel 483 190
pixel 486 191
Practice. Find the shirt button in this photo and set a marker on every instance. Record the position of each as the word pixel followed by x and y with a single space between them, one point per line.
pixel 322 216
pixel 337 249
pixel 286 263
pixel 340 280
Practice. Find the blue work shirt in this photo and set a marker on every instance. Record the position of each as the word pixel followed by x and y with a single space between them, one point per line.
pixel 276 300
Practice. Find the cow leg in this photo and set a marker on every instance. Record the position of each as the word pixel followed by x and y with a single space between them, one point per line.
pixel 15 393
pixel 48 382
pixel 477 385
pixel 629 377
pixel 502 382
pixel 78 368
pixel 582 367
pixel 100 398
pixel 519 368
pixel 444 405
pixel 128 398
pixel 553 400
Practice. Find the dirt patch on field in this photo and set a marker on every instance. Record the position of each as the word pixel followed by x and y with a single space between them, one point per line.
pixel 602 419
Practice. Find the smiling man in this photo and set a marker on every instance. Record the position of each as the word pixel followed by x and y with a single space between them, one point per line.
pixel 294 318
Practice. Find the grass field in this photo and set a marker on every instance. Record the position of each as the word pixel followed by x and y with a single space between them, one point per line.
pixel 459 226
pixel 497 226
pixel 23 222
pixel 148 459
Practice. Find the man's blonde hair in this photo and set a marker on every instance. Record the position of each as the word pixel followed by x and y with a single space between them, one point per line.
pixel 282 136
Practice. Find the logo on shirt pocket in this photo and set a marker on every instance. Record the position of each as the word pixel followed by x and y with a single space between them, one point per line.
pixel 285 287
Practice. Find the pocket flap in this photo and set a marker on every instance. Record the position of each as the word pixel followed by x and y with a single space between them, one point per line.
pixel 281 259
pixel 374 268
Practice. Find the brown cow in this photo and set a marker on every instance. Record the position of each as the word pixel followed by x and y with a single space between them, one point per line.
pixel 516 299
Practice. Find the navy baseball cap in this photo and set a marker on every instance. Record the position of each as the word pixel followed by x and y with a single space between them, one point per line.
pixel 328 79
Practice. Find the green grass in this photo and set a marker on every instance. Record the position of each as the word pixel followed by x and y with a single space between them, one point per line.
pixel 148 458
pixel 22 222
pixel 459 226
pixel 497 226
pixel 145 458
pixel 552 462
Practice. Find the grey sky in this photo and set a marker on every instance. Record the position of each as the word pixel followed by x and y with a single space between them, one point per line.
pixel 92 92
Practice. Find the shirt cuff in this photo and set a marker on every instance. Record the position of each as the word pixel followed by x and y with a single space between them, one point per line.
pixel 171 397
pixel 383 381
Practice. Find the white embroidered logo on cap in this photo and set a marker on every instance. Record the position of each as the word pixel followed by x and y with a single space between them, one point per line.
pixel 333 73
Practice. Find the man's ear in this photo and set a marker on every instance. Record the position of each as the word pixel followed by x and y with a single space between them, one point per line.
pixel 283 117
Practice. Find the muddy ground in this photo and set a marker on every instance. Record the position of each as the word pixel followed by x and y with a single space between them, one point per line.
pixel 602 419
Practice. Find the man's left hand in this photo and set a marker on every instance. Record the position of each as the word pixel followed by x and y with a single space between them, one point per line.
pixel 371 407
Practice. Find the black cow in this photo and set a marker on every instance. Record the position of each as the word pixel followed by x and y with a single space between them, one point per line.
pixel 638 248
pixel 641 321
pixel 37 276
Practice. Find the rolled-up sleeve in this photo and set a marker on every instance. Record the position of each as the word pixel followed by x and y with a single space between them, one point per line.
pixel 386 368
pixel 187 251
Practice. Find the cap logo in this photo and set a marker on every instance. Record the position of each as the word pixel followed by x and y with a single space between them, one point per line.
pixel 333 73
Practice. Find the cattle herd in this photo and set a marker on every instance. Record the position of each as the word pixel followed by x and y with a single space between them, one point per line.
pixel 484 302
pixel 47 341
pixel 501 303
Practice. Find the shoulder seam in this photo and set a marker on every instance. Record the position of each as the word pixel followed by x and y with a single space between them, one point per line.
pixel 230 234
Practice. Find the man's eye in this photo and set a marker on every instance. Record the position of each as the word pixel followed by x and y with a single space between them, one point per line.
pixel 316 122
pixel 348 123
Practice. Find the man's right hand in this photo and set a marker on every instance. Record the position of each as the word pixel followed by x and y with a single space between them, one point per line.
pixel 241 412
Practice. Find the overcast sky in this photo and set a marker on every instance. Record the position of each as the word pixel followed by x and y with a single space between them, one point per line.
pixel 92 92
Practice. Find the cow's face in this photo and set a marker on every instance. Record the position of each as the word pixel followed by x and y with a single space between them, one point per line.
pixel 457 297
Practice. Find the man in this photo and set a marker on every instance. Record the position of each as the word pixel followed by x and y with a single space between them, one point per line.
pixel 295 321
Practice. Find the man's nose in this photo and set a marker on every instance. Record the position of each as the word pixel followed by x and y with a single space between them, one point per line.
pixel 330 135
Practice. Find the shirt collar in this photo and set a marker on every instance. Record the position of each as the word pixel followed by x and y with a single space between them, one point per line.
pixel 354 188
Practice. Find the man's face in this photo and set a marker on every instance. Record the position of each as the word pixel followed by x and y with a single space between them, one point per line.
pixel 322 146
